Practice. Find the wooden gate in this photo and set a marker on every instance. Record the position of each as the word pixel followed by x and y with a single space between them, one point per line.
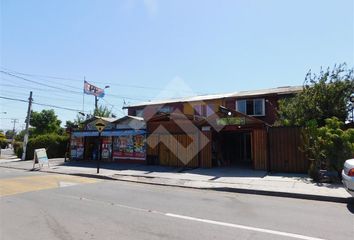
pixel 284 150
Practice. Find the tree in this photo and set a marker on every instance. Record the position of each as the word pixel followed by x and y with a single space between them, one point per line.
pixel 45 122
pixel 327 147
pixel 324 96
pixel 102 111
pixel 10 134
pixel 3 142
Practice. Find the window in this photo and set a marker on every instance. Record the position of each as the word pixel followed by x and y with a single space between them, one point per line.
pixel 165 109
pixel 204 110
pixel 198 110
pixel 209 110
pixel 252 107
pixel 139 112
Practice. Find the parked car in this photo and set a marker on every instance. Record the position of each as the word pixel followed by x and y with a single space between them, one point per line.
pixel 348 176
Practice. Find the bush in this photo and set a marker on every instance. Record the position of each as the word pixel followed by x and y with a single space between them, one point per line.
pixel 327 147
pixel 18 149
pixel 56 145
pixel 3 143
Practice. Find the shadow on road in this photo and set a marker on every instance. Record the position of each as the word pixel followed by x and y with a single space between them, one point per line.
pixel 350 205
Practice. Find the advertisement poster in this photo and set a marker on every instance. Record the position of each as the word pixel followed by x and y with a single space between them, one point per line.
pixel 129 147
pixel 77 147
pixel 106 147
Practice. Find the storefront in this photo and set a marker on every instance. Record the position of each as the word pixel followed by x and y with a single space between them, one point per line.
pixel 123 140
pixel 223 139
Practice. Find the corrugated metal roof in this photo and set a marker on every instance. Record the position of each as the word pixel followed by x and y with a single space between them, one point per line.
pixel 277 91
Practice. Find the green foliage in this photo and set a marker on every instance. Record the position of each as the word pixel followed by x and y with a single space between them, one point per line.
pixel 10 134
pixel 3 142
pixel 2 136
pixel 102 111
pixel 19 137
pixel 55 144
pixel 45 122
pixel 77 123
pixel 327 147
pixel 325 95
pixel 18 149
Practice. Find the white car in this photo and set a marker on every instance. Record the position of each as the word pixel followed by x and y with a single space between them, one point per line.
pixel 348 176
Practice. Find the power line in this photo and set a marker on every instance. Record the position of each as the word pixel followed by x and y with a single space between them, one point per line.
pixel 67 90
pixel 41 104
pixel 97 82
pixel 39 83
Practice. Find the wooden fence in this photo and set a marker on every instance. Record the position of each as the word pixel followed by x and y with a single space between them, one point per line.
pixel 284 150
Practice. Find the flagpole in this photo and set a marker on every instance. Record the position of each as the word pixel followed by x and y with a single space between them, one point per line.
pixel 83 97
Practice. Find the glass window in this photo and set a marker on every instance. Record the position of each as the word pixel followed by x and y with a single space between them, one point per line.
pixel 258 107
pixel 241 106
pixel 198 110
pixel 252 107
pixel 166 109
pixel 209 110
pixel 139 113
pixel 249 107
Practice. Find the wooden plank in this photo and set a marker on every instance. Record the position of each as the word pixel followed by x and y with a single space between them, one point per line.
pixel 285 156
pixel 260 149
pixel 205 153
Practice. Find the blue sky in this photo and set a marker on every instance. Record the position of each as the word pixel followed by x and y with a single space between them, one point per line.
pixel 138 47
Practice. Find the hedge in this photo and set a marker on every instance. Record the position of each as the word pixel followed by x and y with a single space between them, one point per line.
pixel 3 143
pixel 56 145
pixel 18 149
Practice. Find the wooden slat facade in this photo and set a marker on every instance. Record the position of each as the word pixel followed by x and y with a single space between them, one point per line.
pixel 189 148
pixel 205 153
pixel 285 155
pixel 276 150
pixel 259 148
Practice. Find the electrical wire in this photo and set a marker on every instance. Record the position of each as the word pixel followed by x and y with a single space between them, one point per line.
pixel 96 82
pixel 40 104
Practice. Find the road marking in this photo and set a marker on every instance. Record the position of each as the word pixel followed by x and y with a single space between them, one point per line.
pixel 292 235
pixel 11 186
pixel 262 230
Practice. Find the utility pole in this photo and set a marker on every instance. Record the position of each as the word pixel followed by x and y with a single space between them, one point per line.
pixel 96 103
pixel 25 140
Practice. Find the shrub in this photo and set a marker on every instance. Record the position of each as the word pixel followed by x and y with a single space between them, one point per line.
pixel 18 149
pixel 327 147
pixel 56 145
pixel 3 143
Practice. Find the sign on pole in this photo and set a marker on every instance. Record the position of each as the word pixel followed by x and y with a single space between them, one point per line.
pixel 100 125
pixel 40 157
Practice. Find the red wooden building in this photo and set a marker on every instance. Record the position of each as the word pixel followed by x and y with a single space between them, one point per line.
pixel 233 129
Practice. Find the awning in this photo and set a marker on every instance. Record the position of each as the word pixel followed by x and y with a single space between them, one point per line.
pixel 115 133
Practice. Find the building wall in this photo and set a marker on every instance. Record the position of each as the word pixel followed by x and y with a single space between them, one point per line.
pixel 271 105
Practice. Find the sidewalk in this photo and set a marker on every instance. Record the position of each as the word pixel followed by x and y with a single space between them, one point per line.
pixel 220 179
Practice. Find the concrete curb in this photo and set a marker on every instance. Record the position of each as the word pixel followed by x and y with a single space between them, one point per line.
pixel 247 191
pixel 119 177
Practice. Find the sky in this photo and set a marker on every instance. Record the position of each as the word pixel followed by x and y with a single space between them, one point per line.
pixel 150 49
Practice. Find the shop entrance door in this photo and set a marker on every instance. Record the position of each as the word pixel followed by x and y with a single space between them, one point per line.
pixel 236 148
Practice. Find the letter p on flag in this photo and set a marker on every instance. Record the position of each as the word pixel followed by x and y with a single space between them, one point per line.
pixel 93 90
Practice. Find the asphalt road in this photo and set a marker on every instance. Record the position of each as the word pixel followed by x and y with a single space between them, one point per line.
pixel 49 206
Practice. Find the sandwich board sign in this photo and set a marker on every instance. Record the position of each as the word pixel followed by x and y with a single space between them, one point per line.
pixel 40 157
pixel 100 125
